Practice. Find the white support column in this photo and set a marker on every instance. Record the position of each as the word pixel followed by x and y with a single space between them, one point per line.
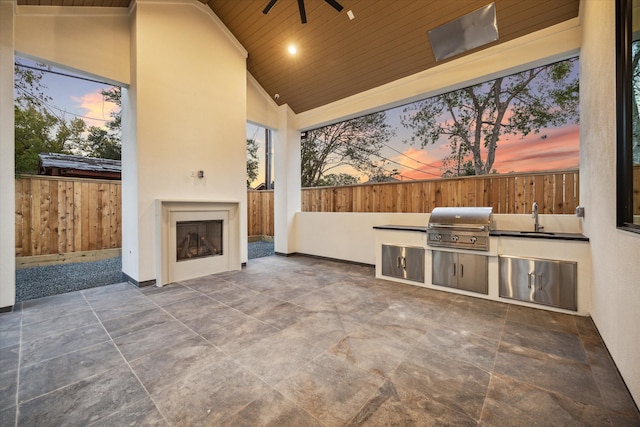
pixel 287 192
pixel 7 148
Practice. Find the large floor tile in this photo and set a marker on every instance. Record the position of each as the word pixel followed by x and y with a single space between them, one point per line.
pixel 62 343
pixel 301 341
pixel 196 385
pixel 134 322
pixel 277 356
pixel 314 389
pixel 460 386
pixel 169 293
pixel 393 405
pixel 549 372
pixel 513 403
pixel 372 350
pixel 40 378
pixel 464 346
pixel 154 338
pixel 83 402
pixel 8 388
pixel 55 325
pixel 543 318
pixel 559 343
pixel 273 410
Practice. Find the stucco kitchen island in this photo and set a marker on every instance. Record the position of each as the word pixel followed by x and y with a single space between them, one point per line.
pixel 570 249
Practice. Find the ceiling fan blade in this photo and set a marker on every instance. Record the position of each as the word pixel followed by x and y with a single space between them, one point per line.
pixel 269 6
pixel 303 13
pixel 335 4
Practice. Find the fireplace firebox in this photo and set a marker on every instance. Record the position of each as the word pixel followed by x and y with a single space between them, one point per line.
pixel 198 239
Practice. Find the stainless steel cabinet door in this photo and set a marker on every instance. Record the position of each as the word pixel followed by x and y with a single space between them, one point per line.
pixel 472 273
pixel 443 268
pixel 539 281
pixel 403 262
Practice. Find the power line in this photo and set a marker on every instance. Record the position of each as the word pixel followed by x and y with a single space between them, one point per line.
pixel 411 158
pixel 49 106
pixel 59 73
pixel 408 167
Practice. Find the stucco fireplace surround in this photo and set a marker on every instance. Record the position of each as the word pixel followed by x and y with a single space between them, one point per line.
pixel 196 238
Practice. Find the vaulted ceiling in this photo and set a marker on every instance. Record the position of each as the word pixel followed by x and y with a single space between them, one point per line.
pixel 338 56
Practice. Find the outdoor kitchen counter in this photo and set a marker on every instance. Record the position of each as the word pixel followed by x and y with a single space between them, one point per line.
pixel 570 247
pixel 539 235
pixel 401 228
pixel 497 233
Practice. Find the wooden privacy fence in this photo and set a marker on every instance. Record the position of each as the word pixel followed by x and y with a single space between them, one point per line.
pixel 260 213
pixel 63 215
pixel 555 192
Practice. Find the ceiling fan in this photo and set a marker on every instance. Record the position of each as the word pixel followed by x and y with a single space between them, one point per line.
pixel 303 14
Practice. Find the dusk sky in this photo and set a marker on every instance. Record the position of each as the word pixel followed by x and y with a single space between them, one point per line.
pixel 559 150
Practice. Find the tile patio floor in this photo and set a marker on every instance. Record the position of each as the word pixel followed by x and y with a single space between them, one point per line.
pixel 300 342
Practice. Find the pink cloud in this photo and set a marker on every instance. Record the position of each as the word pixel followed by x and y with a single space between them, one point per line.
pixel 95 108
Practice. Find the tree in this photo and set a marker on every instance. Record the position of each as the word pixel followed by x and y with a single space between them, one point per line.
pixel 106 143
pixel 474 118
pixel 40 130
pixel 252 161
pixel 635 150
pixel 334 180
pixel 353 142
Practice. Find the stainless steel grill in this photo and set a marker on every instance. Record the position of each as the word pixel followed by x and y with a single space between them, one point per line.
pixel 463 228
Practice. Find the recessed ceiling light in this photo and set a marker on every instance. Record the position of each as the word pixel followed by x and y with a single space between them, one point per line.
pixel 292 49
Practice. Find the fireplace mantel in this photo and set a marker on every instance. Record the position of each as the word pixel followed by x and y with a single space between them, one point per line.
pixel 167 213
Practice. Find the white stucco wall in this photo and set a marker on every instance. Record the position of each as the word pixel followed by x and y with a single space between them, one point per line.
pixel 7 136
pixel 261 109
pixel 615 296
pixel 188 91
pixel 92 40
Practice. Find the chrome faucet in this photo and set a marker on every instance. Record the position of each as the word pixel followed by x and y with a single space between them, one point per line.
pixel 534 213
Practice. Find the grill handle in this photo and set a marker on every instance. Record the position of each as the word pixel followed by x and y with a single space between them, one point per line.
pixel 457 227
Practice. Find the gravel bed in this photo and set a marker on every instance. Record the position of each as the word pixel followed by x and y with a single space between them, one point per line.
pixel 38 282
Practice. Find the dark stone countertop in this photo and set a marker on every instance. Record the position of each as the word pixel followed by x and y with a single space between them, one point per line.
pixel 497 233
pixel 401 228
pixel 541 235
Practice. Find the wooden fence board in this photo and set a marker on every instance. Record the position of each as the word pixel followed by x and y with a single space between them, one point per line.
pixel 54 215
pixel 506 193
pixel 84 215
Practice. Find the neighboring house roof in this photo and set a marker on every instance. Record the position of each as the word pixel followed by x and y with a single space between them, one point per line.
pixel 55 164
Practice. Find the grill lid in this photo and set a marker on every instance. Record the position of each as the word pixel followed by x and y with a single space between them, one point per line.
pixel 461 217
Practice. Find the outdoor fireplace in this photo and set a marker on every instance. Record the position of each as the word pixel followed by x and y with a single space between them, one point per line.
pixel 195 239
pixel 198 239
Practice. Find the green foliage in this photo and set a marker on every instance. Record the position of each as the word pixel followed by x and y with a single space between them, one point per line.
pixel 334 180
pixel 474 118
pixel 353 142
pixel 252 161
pixel 39 130
pixel 381 174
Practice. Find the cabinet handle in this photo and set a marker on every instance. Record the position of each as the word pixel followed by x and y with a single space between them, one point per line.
pixel 540 281
pixel 454 270
pixel 530 276
pixel 404 262
pixel 399 262
pixel 461 270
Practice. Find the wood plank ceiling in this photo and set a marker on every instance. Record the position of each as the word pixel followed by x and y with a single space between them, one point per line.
pixel 338 57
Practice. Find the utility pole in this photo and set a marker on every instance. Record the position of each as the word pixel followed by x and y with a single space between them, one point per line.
pixel 267 157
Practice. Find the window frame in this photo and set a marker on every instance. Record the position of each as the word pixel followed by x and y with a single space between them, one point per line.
pixel 624 138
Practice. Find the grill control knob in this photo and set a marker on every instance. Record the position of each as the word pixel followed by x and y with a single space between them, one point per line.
pixel 473 239
pixel 455 238
pixel 439 236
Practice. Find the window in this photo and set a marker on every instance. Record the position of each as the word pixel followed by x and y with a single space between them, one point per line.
pixel 628 118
